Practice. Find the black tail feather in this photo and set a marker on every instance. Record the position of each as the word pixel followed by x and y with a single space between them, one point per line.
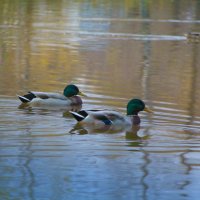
pixel 83 113
pixel 27 97
pixel 79 116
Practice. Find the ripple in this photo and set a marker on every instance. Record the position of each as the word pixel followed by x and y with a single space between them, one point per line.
pixel 106 35
pixel 139 20
pixel 89 35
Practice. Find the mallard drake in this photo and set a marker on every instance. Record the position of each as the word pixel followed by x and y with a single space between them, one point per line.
pixel 110 117
pixel 68 98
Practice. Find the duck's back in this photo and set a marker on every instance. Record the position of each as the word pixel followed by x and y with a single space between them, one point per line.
pixel 47 95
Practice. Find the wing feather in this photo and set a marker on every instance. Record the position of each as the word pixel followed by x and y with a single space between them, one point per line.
pixel 47 95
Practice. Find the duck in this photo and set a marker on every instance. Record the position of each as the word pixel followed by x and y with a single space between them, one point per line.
pixel 68 98
pixel 194 36
pixel 112 117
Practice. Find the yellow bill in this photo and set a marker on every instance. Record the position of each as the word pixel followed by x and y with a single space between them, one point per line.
pixel 82 94
pixel 148 110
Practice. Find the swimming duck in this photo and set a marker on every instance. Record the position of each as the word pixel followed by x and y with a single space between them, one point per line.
pixel 68 98
pixel 193 36
pixel 110 117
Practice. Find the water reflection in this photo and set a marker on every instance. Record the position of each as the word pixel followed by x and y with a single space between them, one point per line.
pixel 28 175
pixel 141 150
pixel 131 133
pixel 46 108
pixel 114 50
pixel 134 134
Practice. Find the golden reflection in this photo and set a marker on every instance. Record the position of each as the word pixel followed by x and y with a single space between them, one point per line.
pixel 45 45
pixel 37 53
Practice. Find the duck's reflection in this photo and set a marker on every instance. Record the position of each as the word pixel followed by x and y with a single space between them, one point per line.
pixel 133 133
pixel 42 110
pixel 130 133
pixel 86 129
pixel 136 133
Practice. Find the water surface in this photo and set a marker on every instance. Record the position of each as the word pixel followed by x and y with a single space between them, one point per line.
pixel 114 51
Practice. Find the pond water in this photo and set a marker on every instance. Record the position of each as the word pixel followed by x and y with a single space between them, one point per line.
pixel 114 51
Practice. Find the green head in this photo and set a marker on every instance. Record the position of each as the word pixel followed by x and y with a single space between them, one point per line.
pixel 70 90
pixel 134 106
